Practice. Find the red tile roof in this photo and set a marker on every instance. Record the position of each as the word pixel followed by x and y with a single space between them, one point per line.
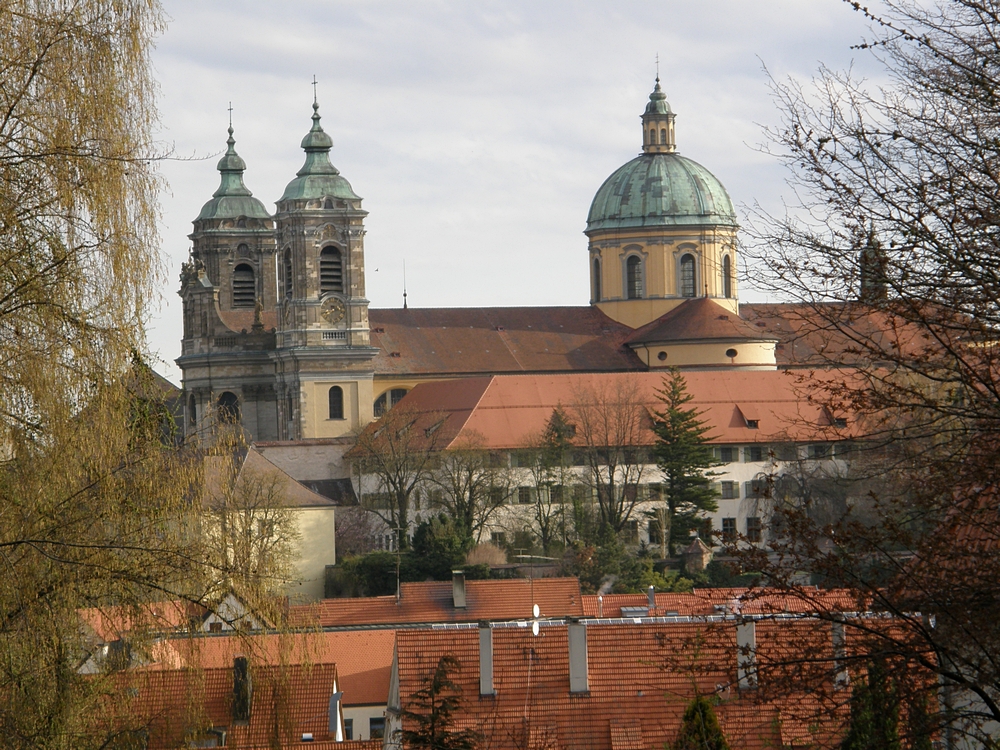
pixel 697 320
pixel 744 601
pixel 641 678
pixel 481 340
pixel 504 412
pixel 287 702
pixel 363 657
pixel 431 602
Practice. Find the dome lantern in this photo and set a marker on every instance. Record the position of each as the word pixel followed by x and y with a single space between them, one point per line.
pixel 658 124
pixel 318 178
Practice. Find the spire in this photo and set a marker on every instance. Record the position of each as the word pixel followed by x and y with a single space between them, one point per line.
pixel 658 122
pixel 232 168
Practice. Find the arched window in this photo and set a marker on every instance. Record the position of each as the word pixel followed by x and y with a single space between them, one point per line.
pixel 328 203
pixel 663 137
pixel 727 277
pixel 597 280
pixel 687 276
pixel 387 400
pixel 331 271
pixel 244 286
pixel 633 277
pixel 192 410
pixel 229 408
pixel 288 274
pixel 336 402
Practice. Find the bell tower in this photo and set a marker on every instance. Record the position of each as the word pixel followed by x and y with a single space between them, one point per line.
pixel 323 356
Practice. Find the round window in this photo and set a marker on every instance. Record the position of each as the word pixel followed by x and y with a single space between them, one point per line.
pixel 661 356
pixel 731 353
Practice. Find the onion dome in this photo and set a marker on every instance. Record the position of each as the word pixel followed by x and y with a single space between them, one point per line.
pixel 233 199
pixel 660 188
pixel 318 178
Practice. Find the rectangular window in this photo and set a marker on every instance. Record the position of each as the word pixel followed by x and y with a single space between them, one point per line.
pixel 730 490
pixel 755 489
pixel 498 538
pixel 556 493
pixel 706 531
pixel 497 496
pixel 376 727
pixel 654 531
pixel 524 495
pixel 348 729
pixel 630 532
pixel 753 453
pixel 581 493
pixel 786 452
pixel 819 452
pixel 727 454
pixel 844 449
pixel 753 528
pixel 654 493
pixel 728 529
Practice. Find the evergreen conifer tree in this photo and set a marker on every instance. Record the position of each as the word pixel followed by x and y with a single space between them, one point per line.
pixel 429 713
pixel 685 458
pixel 700 728
pixel 874 713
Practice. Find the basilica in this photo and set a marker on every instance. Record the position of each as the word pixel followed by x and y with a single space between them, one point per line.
pixel 279 336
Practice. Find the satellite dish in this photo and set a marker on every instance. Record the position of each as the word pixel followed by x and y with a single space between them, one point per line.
pixel 534 626
pixel 535 611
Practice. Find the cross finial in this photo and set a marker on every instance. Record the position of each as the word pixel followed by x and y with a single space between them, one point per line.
pixel 315 98
pixel 230 114
pixel 657 67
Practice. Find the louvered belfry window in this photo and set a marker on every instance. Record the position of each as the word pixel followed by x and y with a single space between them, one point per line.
pixel 331 271
pixel 244 287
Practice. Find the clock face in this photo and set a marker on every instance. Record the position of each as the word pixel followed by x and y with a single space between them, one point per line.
pixel 333 310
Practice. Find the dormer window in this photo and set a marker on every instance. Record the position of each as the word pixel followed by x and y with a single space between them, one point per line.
pixel 331 271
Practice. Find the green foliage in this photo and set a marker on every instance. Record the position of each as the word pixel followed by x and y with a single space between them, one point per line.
pixel 721 575
pixel 429 711
pixel 439 547
pixel 632 573
pixel 700 728
pixel 874 712
pixel 685 458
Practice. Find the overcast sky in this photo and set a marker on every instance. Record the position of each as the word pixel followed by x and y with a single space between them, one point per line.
pixel 476 132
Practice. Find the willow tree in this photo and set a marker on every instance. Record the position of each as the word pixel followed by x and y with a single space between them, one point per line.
pixel 94 508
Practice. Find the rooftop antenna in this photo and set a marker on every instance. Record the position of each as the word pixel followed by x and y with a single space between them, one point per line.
pixel 315 98
pixel 404 283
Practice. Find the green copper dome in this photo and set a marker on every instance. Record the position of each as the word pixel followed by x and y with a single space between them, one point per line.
pixel 233 199
pixel 656 190
pixel 318 178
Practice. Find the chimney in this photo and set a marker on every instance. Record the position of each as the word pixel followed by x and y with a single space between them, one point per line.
pixel 242 690
pixel 486 659
pixel 651 599
pixel 458 588
pixel 334 726
pixel 577 632
pixel 841 678
pixel 746 655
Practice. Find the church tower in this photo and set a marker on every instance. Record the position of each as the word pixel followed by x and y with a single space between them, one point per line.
pixel 323 356
pixel 662 230
pixel 228 291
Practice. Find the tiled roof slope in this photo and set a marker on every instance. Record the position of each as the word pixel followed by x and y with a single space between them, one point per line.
pixel 832 334
pixel 363 657
pixel 697 320
pixel 641 678
pixel 431 602
pixel 489 340
pixel 289 492
pixel 287 702
pixel 504 412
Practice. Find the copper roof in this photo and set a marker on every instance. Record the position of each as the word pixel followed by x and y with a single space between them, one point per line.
pixel 698 319
pixel 242 320
pixel 505 412
pixel 431 602
pixel 644 674
pixel 488 340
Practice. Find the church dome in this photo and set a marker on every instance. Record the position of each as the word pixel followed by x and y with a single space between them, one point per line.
pixel 660 189
pixel 318 178
pixel 233 199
